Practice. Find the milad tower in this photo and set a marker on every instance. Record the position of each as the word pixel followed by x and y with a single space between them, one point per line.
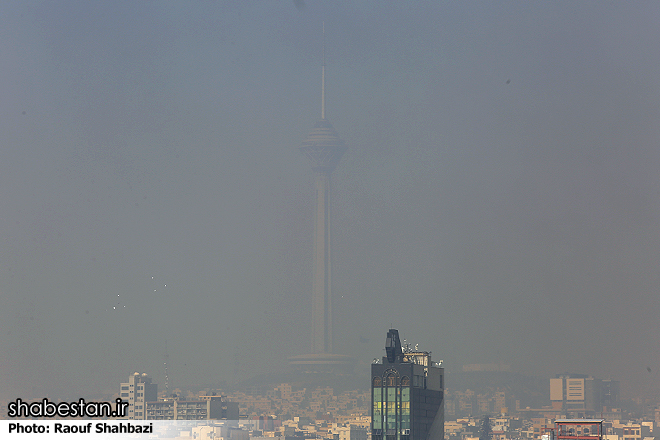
pixel 324 148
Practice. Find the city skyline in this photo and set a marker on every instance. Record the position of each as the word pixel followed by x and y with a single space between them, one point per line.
pixel 498 205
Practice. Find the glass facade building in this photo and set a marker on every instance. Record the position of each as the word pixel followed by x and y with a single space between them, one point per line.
pixel 406 395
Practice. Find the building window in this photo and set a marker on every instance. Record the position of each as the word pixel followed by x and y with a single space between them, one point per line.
pixel 377 381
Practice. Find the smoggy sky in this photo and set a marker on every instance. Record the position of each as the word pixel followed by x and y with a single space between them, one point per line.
pixel 499 201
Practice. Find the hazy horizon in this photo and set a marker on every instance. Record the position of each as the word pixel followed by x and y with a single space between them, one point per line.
pixel 498 202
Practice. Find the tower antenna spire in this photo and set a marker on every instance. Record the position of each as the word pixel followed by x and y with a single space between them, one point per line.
pixel 166 359
pixel 323 77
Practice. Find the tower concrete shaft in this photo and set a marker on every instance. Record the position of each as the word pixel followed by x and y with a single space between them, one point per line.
pixel 322 287
pixel 324 149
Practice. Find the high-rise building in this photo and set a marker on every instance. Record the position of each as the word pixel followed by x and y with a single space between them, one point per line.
pixel 406 394
pixel 610 393
pixel 581 394
pixel 137 391
pixel 324 148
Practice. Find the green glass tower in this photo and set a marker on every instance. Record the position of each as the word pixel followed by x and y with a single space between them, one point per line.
pixel 406 394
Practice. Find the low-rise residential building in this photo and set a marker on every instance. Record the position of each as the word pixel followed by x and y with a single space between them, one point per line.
pixel 351 432
pixel 214 408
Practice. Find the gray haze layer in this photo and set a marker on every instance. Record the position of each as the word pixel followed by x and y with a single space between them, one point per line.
pixel 499 201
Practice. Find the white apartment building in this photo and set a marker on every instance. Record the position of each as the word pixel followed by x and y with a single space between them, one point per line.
pixel 137 392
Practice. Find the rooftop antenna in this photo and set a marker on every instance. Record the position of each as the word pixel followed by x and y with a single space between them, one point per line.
pixel 323 77
pixel 166 357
